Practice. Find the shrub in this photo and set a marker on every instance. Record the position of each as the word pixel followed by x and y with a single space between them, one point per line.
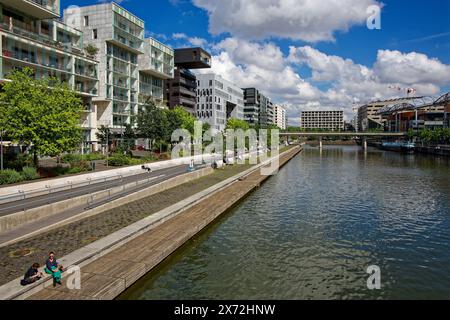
pixel 82 165
pixel 119 160
pixel 30 173
pixel 10 176
pixel 164 156
pixel 70 158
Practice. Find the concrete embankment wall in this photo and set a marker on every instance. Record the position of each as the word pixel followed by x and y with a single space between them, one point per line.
pixel 16 220
pixel 139 248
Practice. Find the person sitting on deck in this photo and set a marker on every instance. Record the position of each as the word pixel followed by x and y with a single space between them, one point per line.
pixel 32 275
pixel 53 268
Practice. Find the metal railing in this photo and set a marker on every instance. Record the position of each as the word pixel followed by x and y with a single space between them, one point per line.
pixel 48 190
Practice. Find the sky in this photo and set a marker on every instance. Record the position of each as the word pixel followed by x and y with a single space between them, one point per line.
pixel 309 54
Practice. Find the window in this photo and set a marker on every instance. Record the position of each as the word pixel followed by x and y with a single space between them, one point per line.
pixel 94 34
pixel 86 21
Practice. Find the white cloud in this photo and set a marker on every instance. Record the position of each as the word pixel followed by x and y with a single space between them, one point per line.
pixel 411 68
pixel 346 83
pixel 308 20
pixel 194 41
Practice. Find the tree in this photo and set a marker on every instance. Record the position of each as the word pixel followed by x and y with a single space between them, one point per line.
pixel 105 136
pixel 43 114
pixel 152 123
pixel 129 136
pixel 235 124
pixel 179 118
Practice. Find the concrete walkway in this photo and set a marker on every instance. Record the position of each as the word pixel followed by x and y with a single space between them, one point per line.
pixel 111 274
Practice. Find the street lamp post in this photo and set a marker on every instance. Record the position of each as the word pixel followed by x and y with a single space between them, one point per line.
pixel 1 150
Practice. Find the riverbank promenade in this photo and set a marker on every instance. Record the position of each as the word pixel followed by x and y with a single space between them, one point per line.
pixel 194 204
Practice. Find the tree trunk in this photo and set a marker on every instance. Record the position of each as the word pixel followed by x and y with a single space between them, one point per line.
pixel 35 159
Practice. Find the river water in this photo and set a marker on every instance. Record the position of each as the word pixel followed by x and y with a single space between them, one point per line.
pixel 312 231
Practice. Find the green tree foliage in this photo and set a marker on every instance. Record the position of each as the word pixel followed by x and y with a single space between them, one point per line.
pixel 179 118
pixel 152 124
pixel 104 135
pixel 43 114
pixel 235 124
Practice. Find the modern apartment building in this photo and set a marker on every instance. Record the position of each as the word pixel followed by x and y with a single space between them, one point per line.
pixel 322 120
pixel 280 118
pixel 119 37
pixel 258 109
pixel 132 68
pixel 155 66
pixel 218 100
pixel 182 90
pixel 32 36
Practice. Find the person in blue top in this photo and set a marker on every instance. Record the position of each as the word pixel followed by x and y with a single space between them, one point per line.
pixel 32 275
pixel 53 268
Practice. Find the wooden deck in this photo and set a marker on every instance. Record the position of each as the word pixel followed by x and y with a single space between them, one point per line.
pixel 114 272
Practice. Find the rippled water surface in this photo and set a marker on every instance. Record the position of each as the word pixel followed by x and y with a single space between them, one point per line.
pixel 311 231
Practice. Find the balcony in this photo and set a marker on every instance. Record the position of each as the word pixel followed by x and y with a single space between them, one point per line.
pixel 40 9
pixel 123 42
pixel 29 59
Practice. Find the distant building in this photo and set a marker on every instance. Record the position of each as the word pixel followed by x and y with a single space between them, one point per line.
pixel 182 89
pixel 322 120
pixel 280 118
pixel 218 100
pixel 417 114
pixel 259 109
pixel 368 117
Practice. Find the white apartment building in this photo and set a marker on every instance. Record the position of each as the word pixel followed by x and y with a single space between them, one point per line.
pixel 32 36
pixel 280 118
pixel 322 120
pixel 131 68
pixel 218 100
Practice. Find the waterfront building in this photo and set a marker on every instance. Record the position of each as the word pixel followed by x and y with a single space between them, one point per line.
pixel 132 68
pixel 280 119
pixel 322 120
pixel 119 37
pixel 368 117
pixel 33 37
pixel 258 109
pixel 417 113
pixel 155 66
pixel 218 100
pixel 182 89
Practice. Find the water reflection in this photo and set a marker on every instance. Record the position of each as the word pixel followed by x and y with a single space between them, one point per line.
pixel 311 231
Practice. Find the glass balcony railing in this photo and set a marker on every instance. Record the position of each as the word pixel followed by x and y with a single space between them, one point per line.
pixel 86 72
pixel 30 31
pixel 47 4
pixel 18 55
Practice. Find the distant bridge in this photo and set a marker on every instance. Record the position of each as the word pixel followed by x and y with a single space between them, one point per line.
pixel 361 135
pixel 345 134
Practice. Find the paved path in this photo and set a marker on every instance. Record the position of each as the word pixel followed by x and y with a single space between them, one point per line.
pixel 110 275
pixel 35 202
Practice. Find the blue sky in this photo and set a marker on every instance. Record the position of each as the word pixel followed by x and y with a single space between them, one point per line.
pixel 320 50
